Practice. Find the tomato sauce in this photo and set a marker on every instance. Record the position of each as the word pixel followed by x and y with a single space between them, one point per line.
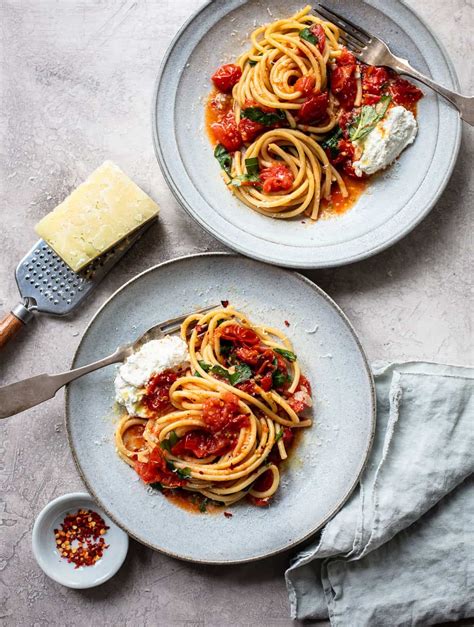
pixel 337 204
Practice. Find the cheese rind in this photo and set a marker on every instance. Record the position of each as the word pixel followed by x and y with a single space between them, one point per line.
pixel 99 213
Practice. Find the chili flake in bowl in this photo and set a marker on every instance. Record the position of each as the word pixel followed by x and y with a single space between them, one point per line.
pixel 76 543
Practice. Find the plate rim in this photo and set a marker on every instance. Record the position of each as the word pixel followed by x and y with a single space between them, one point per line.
pixel 353 483
pixel 254 253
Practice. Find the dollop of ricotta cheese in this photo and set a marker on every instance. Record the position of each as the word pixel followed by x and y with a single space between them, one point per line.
pixel 395 131
pixel 170 352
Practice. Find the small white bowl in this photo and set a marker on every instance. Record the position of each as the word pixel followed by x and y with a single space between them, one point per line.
pixel 55 566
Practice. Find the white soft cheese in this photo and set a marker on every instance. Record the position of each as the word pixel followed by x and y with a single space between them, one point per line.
pixel 154 357
pixel 383 145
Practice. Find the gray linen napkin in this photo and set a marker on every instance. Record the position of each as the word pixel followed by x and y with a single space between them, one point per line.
pixel 401 551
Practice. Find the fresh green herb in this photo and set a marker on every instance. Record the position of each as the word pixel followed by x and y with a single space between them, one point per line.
pixel 168 444
pixel 220 371
pixel 156 486
pixel 368 118
pixel 206 367
pixel 223 157
pixel 173 438
pixel 184 473
pixel 286 354
pixel 165 445
pixel 242 373
pixel 219 322
pixel 251 165
pixel 279 436
pixel 263 117
pixel 170 465
pixel 252 174
pixel 331 143
pixel 307 35
pixel 245 178
pixel 279 378
pixel 225 347
pixel 203 506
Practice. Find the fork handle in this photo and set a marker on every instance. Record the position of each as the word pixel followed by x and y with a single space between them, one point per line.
pixel 17 397
pixel 464 104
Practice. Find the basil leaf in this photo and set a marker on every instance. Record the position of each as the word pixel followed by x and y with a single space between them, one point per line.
pixel 382 105
pixel 245 178
pixel 220 371
pixel 307 35
pixel 206 367
pixel 279 435
pixel 203 505
pixel 242 373
pixel 165 445
pixel 184 473
pixel 223 157
pixel 173 438
pixel 225 347
pixel 286 354
pixel 156 486
pixel 279 378
pixel 368 118
pixel 263 117
pixel 332 142
pixel 251 165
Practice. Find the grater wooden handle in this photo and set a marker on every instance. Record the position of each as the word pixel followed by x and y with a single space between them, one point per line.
pixel 9 327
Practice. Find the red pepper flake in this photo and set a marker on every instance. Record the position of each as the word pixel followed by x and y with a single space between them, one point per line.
pixel 287 324
pixel 228 514
pixel 225 303
pixel 80 540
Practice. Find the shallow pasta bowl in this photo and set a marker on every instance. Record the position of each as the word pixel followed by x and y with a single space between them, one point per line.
pixel 324 468
pixel 395 202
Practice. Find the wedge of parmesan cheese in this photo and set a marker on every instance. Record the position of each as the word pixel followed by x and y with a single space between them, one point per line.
pixel 103 210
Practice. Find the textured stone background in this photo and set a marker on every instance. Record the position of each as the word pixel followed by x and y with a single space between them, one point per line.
pixel 76 87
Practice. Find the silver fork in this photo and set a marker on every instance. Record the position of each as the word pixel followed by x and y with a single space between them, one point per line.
pixel 373 51
pixel 17 397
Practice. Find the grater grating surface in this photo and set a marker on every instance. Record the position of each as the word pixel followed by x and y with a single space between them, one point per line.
pixel 48 285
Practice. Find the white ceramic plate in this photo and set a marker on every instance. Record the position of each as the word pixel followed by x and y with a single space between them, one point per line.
pixel 329 458
pixel 396 201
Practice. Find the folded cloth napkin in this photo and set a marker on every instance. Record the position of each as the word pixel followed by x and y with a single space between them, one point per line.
pixel 401 551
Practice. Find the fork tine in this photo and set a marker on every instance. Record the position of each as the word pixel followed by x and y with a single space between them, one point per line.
pixel 346 25
pixel 351 43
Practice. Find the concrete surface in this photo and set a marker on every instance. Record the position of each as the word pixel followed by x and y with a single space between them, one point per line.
pixel 76 86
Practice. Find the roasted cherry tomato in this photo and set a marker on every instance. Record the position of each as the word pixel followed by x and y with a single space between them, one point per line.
pixel 276 178
pixel 405 93
pixel 156 470
pixel 314 108
pixel 239 335
pixel 301 397
pixel 305 84
pixel 202 444
pixel 318 32
pixel 157 397
pixel 343 81
pixel 249 129
pixel 374 81
pixel 227 133
pixel 223 413
pixel 226 77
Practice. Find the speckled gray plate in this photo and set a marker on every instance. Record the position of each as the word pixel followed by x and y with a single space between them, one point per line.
pixel 331 454
pixel 396 202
